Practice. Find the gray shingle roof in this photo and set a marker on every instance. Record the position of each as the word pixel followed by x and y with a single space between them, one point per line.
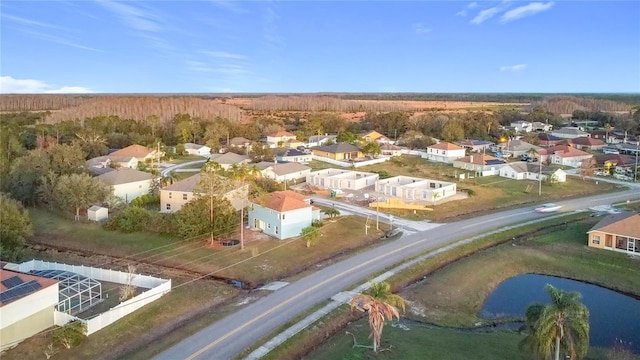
pixel 337 148
pixel 125 176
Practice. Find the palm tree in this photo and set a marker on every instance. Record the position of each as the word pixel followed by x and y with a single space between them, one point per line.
pixel 382 292
pixel 310 234
pixel 378 310
pixel 607 130
pixel 562 324
pixel 331 212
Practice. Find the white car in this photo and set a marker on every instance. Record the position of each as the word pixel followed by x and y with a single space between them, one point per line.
pixel 547 208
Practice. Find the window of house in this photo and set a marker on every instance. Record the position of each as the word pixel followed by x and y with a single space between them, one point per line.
pixel 268 226
pixel 282 216
pixel 168 206
pixel 184 196
pixel 169 195
pixel 595 239
pixel 276 230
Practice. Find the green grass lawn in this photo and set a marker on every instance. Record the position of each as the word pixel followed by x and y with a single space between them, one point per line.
pixel 261 261
pixel 184 158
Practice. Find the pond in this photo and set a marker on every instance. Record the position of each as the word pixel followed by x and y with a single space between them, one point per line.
pixel 614 317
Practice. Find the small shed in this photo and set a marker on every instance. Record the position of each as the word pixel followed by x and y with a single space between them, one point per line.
pixel 97 213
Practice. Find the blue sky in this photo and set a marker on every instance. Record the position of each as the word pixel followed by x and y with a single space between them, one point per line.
pixel 319 46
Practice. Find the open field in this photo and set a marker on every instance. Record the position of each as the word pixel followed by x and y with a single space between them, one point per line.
pixel 263 260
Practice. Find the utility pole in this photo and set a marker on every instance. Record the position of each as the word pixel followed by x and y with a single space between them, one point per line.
pixel 377 214
pixel 635 173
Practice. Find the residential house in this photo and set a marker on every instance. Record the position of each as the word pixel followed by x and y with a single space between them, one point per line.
pixel 374 136
pixel 293 144
pixel 282 214
pixel 517 148
pixel 319 140
pixel 142 153
pixel 547 139
pixel 390 150
pixel 541 127
pixel 339 151
pixel 587 143
pixel 444 152
pixel 564 155
pixel 26 306
pixel 522 126
pixel 410 188
pixel 130 162
pixel 609 162
pixel 293 155
pixel 286 172
pixel 280 139
pixel 480 164
pixel 227 159
pixel 532 171
pixel 476 145
pixel 241 143
pixel 176 195
pixel 569 133
pixel 617 232
pixel 128 184
pixel 196 149
pixel 342 179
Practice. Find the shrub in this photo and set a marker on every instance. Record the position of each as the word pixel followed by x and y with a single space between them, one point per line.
pixel 383 174
pixel 146 200
pixel 129 220
pixel 317 223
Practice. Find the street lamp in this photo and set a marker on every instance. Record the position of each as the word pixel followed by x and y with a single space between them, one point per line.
pixel 635 173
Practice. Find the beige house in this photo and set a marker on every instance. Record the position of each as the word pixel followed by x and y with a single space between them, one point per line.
pixel 617 232
pixel 286 172
pixel 390 150
pixel 339 151
pixel 564 155
pixel 26 306
pixel 142 153
pixel 176 195
pixel 480 164
pixel 280 139
pixel 227 159
pixel 532 171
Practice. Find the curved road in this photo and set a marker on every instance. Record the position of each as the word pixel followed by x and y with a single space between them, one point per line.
pixel 233 334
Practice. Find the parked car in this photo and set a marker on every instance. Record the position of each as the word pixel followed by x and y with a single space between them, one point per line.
pixel 391 234
pixel 547 208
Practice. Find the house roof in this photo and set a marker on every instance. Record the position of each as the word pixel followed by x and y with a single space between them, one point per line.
pixel 193 146
pixel 519 145
pixel 263 165
pixel 16 285
pixel 124 176
pixel 121 159
pixel 615 159
pixel 471 142
pixel 229 158
pixel 522 167
pixel 288 168
pixel 374 135
pixel 390 147
pixel 282 201
pixel 281 134
pixel 240 141
pixel 337 148
pixel 135 150
pixel 583 140
pixel 480 159
pixel 290 152
pixel 188 184
pixel 570 131
pixel 549 137
pixel 443 145
pixel 316 138
pixel 623 224
pixel 564 151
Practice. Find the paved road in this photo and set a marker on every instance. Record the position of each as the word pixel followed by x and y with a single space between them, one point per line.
pixel 228 337
pixel 166 171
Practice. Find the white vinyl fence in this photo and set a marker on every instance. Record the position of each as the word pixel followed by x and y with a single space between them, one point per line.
pixel 157 287
pixel 356 164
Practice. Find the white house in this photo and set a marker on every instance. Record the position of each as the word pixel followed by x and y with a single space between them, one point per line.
pixel 516 148
pixel 564 155
pixel 123 161
pixel 293 155
pixel 26 306
pixel 280 138
pixel 480 164
pixel 540 126
pixel 282 214
pixel 415 189
pixel 227 159
pixel 128 184
pixel 342 179
pixel 390 150
pixel 522 126
pixel 531 171
pixel 320 140
pixel 290 172
pixel 176 195
pixel 569 133
pixel 444 152
pixel 196 149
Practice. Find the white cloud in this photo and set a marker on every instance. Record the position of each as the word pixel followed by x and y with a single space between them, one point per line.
pixel 29 22
pixel 525 10
pixel 9 85
pixel 518 67
pixel 419 28
pixel 463 12
pixel 228 5
pixel 487 14
pixel 224 55
pixel 134 17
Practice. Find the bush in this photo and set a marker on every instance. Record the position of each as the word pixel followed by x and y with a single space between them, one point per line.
pixel 129 220
pixel 471 192
pixel 317 223
pixel 383 174
pixel 146 200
